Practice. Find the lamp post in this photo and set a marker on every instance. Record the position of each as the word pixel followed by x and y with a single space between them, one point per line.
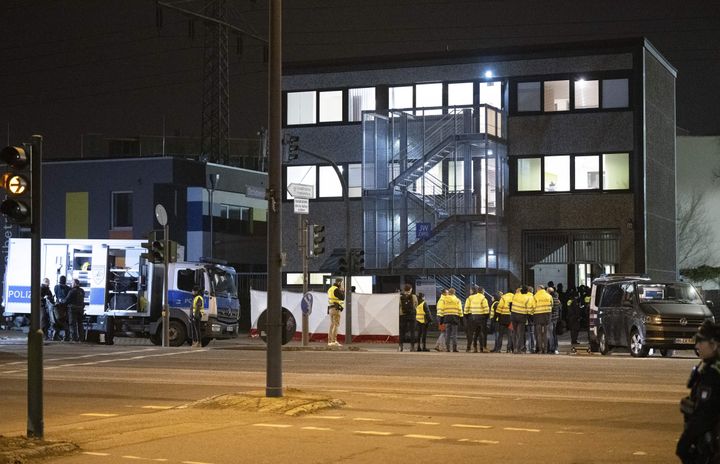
pixel 214 180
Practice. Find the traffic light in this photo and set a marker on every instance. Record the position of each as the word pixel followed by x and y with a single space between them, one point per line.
pixel 291 147
pixel 357 260
pixel 158 251
pixel 17 182
pixel 172 251
pixel 316 240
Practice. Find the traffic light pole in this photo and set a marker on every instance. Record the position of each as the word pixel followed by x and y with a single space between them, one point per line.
pixel 166 305
pixel 304 247
pixel 35 424
pixel 348 277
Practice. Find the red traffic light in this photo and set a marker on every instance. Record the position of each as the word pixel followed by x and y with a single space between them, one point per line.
pixel 15 157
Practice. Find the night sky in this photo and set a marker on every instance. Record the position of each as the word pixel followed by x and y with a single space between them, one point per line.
pixel 103 67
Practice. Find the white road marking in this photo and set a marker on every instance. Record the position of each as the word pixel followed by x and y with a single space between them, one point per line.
pixel 484 442
pixel 133 457
pixel 99 414
pixel 372 432
pixel 325 417
pixel 277 426
pixel 570 432
pixel 322 429
pixel 90 453
pixel 150 406
pixel 463 396
pixel 367 419
pixel 424 437
pixel 132 358
pixel 424 423
pixel 518 429
pixel 337 391
pixel 160 460
pixel 471 426
pixel 639 453
pixel 195 462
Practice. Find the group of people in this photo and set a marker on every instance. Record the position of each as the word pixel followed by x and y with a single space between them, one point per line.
pixel 529 318
pixel 62 310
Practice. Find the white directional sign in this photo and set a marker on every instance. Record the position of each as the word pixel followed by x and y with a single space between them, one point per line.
pixel 301 206
pixel 301 191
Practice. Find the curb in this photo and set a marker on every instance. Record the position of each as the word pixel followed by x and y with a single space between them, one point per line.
pixel 19 455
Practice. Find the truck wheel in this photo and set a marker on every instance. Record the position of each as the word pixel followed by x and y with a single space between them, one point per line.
pixel 667 353
pixel 637 345
pixel 178 334
pixel 205 341
pixel 603 347
pixel 156 339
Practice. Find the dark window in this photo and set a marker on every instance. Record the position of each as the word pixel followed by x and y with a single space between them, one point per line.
pixel 612 296
pixel 121 210
pixel 123 147
pixel 186 279
pixel 628 298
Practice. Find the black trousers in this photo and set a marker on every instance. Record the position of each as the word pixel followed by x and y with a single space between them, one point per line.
pixel 407 325
pixel 422 329
pixel 480 333
pixel 470 326
pixel 518 322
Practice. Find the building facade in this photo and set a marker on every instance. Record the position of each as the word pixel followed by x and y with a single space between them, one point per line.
pixel 494 167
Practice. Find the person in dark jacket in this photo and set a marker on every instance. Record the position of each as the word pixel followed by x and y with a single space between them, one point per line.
pixel 61 310
pixel 47 315
pixel 75 301
pixel 699 442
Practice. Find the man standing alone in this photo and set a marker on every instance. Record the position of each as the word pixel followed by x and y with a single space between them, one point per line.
pixel 336 296
pixel 408 306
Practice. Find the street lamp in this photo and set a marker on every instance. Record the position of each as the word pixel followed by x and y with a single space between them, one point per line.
pixel 214 180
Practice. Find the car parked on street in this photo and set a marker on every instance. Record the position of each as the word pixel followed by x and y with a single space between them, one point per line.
pixel 640 314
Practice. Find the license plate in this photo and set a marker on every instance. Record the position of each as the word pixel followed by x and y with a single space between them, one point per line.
pixel 684 341
pixel 231 329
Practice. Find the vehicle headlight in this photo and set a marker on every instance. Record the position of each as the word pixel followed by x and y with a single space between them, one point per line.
pixel 216 327
pixel 652 320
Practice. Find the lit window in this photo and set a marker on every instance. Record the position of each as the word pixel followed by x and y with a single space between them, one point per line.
pixel 491 94
pixel 330 185
pixel 354 180
pixel 301 108
pixel 360 100
pixel 456 176
pixel 528 174
pixel 121 208
pixel 586 94
pixel 557 95
pixel 331 104
pixel 401 97
pixel 587 172
pixel 557 173
pixel 528 96
pixel 301 175
pixel 615 93
pixel 616 171
pixel 429 96
pixel 460 94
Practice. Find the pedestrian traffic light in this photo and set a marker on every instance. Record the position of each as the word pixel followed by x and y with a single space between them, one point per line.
pixel 357 260
pixel 316 240
pixel 16 180
pixel 158 251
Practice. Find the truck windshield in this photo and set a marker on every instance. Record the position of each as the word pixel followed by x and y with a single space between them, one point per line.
pixel 676 292
pixel 223 283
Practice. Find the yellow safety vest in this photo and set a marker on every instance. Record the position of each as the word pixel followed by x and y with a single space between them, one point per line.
pixel 476 304
pixel 523 303
pixel 504 303
pixel 198 306
pixel 452 306
pixel 420 313
pixel 587 299
pixel 543 302
pixel 332 299
pixel 440 306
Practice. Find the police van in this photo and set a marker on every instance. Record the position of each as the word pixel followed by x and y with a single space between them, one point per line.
pixel 643 315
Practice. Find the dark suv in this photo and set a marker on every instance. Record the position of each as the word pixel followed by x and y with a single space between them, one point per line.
pixel 642 314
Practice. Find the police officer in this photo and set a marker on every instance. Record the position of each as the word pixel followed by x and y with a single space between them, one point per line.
pixel 699 440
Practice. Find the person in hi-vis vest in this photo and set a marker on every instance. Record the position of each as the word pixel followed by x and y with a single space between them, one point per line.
pixel 336 297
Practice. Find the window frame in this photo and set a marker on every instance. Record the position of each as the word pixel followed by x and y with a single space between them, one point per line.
pixel 344 169
pixel 514 171
pixel 113 225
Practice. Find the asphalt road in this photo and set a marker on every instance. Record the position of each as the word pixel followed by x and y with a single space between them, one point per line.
pixel 127 402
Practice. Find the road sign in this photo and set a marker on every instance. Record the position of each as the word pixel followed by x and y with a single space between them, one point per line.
pixel 422 230
pixel 301 190
pixel 306 303
pixel 301 206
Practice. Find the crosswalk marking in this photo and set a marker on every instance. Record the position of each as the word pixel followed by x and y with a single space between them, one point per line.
pixel 471 426
pixel 424 437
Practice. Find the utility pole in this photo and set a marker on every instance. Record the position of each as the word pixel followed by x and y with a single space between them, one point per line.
pixel 273 386
pixel 36 424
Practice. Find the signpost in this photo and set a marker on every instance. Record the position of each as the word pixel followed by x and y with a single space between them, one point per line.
pixel 301 206
pixel 302 193
pixel 306 191
pixel 162 219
